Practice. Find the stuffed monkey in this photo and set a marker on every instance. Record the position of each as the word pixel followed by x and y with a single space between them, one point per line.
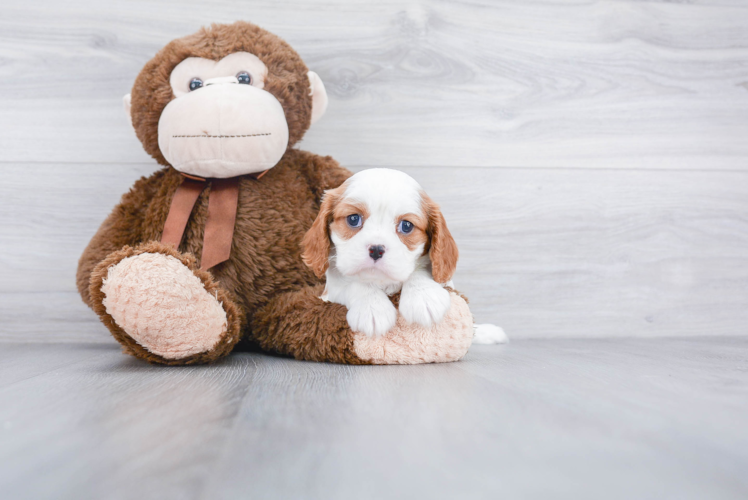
pixel 206 251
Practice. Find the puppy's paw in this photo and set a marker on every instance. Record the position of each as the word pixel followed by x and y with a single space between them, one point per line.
pixel 425 304
pixel 373 318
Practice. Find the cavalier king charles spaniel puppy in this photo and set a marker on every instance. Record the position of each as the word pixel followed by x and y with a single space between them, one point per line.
pixel 378 234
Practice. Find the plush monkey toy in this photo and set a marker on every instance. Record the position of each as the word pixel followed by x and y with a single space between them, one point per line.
pixel 206 251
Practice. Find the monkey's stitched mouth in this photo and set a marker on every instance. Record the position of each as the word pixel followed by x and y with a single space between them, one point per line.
pixel 207 136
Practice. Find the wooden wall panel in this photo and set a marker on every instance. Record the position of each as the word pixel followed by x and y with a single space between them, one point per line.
pixel 591 156
pixel 544 252
pixel 612 84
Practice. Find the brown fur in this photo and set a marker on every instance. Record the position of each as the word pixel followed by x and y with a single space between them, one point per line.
pixel 287 77
pixel 316 242
pixel 442 247
pixel 273 215
pixel 341 212
pixel 418 235
pixel 234 315
pixel 269 295
pixel 274 212
pixel 124 226
pixel 301 325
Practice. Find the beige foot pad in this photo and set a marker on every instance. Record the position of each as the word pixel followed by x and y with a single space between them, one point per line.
pixel 409 343
pixel 161 304
pixel 301 325
pixel 161 308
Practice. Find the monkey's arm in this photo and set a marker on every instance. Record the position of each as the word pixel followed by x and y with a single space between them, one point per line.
pixel 301 325
pixel 154 299
pixel 322 173
pixel 123 227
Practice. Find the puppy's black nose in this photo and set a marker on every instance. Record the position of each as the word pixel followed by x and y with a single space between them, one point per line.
pixel 376 252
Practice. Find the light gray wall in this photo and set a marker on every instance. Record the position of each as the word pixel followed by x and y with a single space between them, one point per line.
pixel 591 157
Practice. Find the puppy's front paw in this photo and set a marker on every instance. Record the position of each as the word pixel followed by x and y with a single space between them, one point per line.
pixel 372 318
pixel 425 304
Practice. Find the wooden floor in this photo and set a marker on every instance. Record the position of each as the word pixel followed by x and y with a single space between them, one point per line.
pixel 635 419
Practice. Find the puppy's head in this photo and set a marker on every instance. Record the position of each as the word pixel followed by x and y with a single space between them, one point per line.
pixel 379 223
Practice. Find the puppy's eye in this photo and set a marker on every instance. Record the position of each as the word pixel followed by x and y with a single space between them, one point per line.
pixel 353 220
pixel 195 84
pixel 405 226
pixel 244 78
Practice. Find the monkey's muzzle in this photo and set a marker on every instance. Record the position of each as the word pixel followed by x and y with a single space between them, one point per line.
pixel 223 130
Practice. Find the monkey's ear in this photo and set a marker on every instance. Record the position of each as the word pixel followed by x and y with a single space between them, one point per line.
pixel 126 103
pixel 319 96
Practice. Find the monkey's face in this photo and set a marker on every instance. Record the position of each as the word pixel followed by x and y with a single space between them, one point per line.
pixel 226 101
pixel 221 122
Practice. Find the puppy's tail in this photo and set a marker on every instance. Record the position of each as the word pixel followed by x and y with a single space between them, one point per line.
pixel 489 334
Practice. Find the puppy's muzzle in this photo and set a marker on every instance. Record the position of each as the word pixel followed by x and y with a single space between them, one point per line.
pixel 376 252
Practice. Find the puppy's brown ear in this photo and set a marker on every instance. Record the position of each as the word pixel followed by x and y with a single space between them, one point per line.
pixel 442 247
pixel 316 242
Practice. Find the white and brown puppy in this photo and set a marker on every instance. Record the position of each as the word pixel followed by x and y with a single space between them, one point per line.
pixel 378 234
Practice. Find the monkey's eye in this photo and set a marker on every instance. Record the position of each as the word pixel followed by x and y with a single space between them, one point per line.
pixel 244 78
pixel 195 84
pixel 354 220
pixel 405 226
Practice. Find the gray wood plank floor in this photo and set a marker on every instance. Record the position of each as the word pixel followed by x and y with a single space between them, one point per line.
pixel 617 418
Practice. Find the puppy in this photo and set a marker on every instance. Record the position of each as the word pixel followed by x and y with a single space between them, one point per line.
pixel 378 234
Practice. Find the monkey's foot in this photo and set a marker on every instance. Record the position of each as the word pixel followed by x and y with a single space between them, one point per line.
pixel 411 343
pixel 302 325
pixel 162 308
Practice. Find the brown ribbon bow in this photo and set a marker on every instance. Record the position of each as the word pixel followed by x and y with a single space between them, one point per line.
pixel 219 228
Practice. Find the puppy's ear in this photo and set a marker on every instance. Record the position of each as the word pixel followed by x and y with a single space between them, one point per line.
pixel 442 247
pixel 316 242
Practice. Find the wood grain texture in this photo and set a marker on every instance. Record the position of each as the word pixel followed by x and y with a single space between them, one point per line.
pixel 590 158
pixel 577 419
pixel 613 84
pixel 626 122
pixel 544 252
pixel 49 317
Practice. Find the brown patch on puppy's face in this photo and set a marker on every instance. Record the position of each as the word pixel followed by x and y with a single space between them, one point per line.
pixel 381 248
pixel 397 225
pixel 417 235
pixel 346 209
